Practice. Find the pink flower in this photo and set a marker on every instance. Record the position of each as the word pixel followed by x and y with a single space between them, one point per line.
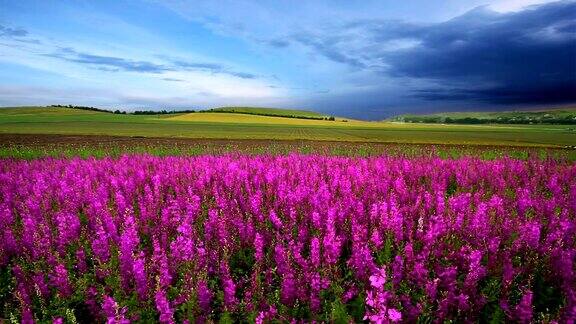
pixel 59 279
pixel 276 221
pixel 204 296
pixel 193 237
pixel 379 279
pixel 315 252
pixel 109 307
pixel 394 315
pixel 258 247
pixel 163 307
pixel 229 293
pixel 140 276
pixel 524 308
pixel 288 289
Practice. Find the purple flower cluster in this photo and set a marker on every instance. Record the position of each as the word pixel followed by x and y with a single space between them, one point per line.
pixel 313 238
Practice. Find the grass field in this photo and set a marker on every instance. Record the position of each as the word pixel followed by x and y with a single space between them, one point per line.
pixel 563 115
pixel 37 120
pixel 31 146
pixel 564 111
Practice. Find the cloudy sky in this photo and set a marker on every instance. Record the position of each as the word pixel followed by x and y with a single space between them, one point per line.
pixel 365 59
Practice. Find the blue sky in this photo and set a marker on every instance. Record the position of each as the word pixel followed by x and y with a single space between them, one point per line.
pixel 365 59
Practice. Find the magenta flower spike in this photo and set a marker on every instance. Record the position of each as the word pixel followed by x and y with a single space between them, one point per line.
pixel 288 238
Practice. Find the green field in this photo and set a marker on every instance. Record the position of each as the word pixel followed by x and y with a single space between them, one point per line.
pixel 565 115
pixel 39 120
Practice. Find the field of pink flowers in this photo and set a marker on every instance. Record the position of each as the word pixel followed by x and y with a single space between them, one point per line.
pixel 306 238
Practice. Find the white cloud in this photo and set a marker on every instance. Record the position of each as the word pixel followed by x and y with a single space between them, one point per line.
pixel 108 85
pixel 515 5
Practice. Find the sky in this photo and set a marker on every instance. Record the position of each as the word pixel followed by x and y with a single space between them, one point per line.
pixel 364 59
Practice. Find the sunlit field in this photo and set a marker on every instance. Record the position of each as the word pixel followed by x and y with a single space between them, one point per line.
pixel 233 126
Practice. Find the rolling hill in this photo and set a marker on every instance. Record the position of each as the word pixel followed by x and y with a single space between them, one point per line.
pixel 560 116
pixel 228 125
pixel 249 118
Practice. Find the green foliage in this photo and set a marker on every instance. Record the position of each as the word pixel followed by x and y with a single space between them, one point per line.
pixel 547 296
pixel 384 256
pixel 493 314
pixel 7 284
pixel 339 313
pixel 242 263
pixel 272 112
pixel 305 150
pixel 549 117
pixel 365 150
pixel 452 186
pixel 520 155
pixel 356 308
pixel 226 318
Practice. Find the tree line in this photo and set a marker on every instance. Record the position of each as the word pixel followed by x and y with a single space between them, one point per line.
pixel 569 119
pixel 122 112
pixel 330 118
pixel 167 112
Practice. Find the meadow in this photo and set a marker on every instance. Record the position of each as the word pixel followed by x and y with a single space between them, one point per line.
pixel 242 126
pixel 33 146
pixel 233 217
pixel 260 238
pixel 560 116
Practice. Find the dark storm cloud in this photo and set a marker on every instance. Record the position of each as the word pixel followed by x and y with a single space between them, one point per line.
pixel 521 57
pixel 522 94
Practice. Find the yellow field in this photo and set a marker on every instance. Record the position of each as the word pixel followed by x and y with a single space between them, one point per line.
pixel 256 119
pixel 233 118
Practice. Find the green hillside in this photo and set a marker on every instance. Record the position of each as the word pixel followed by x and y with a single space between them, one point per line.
pixel 47 120
pixel 35 111
pixel 563 116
